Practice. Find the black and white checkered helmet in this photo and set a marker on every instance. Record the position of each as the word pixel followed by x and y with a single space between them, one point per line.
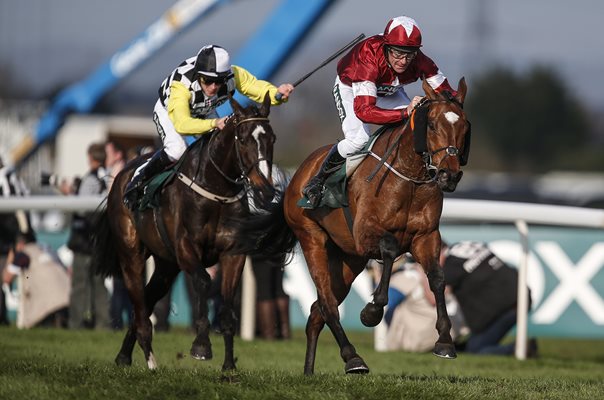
pixel 213 61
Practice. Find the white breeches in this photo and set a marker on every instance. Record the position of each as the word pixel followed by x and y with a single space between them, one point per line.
pixel 174 143
pixel 356 132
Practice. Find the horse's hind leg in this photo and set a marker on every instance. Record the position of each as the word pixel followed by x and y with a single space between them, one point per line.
pixel 201 349
pixel 314 325
pixel 134 281
pixel 144 299
pixel 332 289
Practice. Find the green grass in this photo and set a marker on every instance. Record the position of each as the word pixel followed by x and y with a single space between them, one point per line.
pixel 60 364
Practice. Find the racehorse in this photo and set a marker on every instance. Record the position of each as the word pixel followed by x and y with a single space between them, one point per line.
pixel 397 212
pixel 187 231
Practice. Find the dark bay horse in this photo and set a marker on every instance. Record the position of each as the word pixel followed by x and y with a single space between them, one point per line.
pixel 187 232
pixel 396 212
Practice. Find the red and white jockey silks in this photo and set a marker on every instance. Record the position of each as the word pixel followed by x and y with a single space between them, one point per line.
pixel 367 71
pixel 403 32
pixel 368 91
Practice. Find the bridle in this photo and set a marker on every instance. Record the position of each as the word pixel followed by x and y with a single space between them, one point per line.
pixel 422 149
pixel 243 178
pixel 239 181
pixel 425 153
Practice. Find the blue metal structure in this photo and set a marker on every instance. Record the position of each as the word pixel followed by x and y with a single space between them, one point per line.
pixel 262 55
pixel 278 38
pixel 83 96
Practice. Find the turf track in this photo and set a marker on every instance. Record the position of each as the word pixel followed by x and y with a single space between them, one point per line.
pixel 60 364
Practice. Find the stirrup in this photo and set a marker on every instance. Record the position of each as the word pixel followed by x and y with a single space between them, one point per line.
pixel 313 191
pixel 131 199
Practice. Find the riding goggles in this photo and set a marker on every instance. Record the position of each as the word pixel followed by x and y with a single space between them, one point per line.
pixel 218 80
pixel 399 55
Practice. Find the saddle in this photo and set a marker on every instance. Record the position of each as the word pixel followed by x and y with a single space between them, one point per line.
pixel 335 194
pixel 152 189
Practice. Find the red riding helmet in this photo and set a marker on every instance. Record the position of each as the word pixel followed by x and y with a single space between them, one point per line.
pixel 403 32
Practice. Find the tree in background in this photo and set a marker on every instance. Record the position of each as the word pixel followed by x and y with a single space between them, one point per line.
pixel 529 122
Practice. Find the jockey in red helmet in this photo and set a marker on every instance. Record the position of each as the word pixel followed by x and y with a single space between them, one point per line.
pixel 187 104
pixel 369 89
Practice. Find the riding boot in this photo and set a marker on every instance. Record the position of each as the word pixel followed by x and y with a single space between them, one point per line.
pixel 267 319
pixel 283 315
pixel 155 165
pixel 314 188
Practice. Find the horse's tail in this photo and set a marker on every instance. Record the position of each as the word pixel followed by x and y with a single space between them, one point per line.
pixel 265 235
pixel 104 257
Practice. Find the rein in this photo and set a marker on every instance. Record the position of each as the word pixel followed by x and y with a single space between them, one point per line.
pixel 241 180
pixel 421 146
pixel 383 163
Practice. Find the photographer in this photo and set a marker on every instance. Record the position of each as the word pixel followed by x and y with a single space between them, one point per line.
pixel 11 224
pixel 89 302
pixel 486 289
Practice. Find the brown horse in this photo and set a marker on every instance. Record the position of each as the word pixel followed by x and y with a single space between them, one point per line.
pixel 397 212
pixel 187 231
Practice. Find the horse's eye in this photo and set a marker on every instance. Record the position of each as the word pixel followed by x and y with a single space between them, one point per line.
pixel 431 126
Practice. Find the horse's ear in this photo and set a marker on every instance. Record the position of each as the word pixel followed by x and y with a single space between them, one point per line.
pixel 430 93
pixel 461 90
pixel 237 109
pixel 266 105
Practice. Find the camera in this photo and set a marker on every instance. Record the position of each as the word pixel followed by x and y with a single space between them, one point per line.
pixel 47 179
pixel 54 180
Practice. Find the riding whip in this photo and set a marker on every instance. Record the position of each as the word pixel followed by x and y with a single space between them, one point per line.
pixel 324 63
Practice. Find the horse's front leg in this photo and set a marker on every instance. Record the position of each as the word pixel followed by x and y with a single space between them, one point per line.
pixel 232 267
pixel 201 349
pixel 373 312
pixel 427 251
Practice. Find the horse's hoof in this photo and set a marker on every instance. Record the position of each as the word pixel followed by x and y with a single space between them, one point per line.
pixel 228 368
pixel 201 353
pixel 356 366
pixel 444 350
pixel 123 359
pixel 230 376
pixel 371 315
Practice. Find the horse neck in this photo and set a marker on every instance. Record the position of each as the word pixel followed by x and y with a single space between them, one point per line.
pixel 216 159
pixel 405 159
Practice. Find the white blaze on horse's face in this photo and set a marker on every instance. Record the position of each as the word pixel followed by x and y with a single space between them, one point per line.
pixel 451 117
pixel 263 165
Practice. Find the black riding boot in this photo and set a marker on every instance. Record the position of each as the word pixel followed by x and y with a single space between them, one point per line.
pixel 156 164
pixel 314 188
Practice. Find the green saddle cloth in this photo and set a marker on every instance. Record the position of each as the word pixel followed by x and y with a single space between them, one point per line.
pixel 334 191
pixel 335 194
pixel 152 189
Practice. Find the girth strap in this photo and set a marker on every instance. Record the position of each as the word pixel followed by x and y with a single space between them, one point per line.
pixel 349 219
pixel 209 195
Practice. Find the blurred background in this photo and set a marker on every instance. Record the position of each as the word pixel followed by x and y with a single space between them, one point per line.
pixel 534 72
pixel 535 99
